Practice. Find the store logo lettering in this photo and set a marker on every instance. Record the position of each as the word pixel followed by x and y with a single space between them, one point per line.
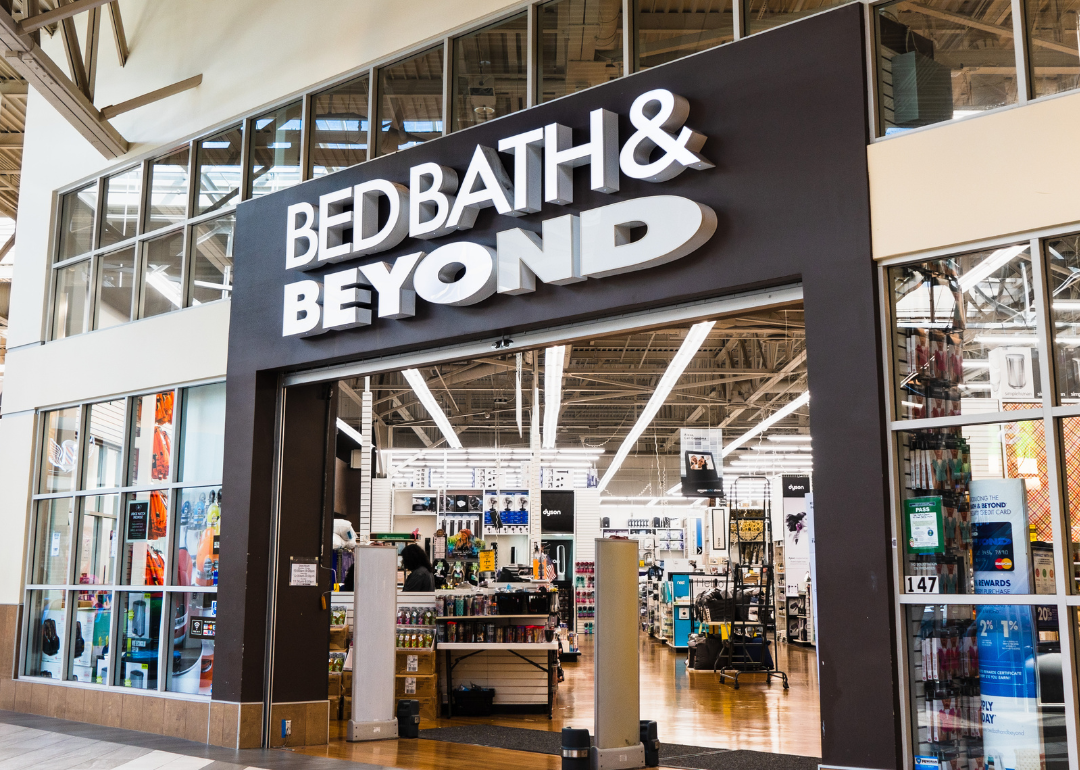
pixel 571 248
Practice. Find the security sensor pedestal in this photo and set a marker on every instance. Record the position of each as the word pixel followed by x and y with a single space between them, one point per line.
pixel 617 694
pixel 374 619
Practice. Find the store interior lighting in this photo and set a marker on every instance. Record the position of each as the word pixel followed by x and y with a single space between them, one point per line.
pixel 416 381
pixel 695 337
pixel 553 373
pixel 991 264
pixel 767 423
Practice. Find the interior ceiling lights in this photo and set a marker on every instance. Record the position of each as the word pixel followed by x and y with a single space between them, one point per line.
pixel 416 381
pixel 689 348
pixel 553 372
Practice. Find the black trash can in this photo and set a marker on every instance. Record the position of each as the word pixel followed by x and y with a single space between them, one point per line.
pixel 408 718
pixel 576 745
pixel 651 742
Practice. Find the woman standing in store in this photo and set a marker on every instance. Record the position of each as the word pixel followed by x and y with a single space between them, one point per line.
pixel 415 561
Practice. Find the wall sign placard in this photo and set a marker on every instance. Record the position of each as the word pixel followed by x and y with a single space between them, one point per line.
pixel 557 512
pixel 202 628
pixel 924 520
pixel 796 532
pixel 138 520
pixel 1008 686
pixel 303 571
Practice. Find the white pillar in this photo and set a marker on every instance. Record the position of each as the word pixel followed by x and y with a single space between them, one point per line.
pixel 617 692
pixel 374 619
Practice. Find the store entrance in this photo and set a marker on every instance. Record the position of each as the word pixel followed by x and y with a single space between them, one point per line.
pixel 498 472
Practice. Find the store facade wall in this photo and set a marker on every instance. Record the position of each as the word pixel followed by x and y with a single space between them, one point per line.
pixel 227 45
pixel 984 210
pixel 812 227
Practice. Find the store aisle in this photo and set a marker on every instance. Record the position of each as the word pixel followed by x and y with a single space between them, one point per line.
pixel 689 708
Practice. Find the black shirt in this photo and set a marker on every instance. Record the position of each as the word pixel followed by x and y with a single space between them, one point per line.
pixel 420 579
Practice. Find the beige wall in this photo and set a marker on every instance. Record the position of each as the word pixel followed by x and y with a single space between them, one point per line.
pixel 998 175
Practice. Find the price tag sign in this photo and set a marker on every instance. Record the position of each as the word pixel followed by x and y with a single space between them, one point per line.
pixel 410 685
pixel 412 663
pixel 924 584
pixel 487 561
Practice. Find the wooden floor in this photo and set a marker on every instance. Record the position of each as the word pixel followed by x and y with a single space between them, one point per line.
pixel 689 708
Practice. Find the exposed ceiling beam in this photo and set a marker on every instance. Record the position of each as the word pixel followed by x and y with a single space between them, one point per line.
pixel 76 67
pixel 59 13
pixel 766 387
pixel 118 33
pixel 407 416
pixel 141 101
pixel 11 140
pixel 967 21
pixel 13 88
pixel 90 57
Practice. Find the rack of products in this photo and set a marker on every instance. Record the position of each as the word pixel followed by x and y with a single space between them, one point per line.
pixel 749 586
pixel 585 595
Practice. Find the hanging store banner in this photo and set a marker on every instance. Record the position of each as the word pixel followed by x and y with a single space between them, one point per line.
pixel 1008 687
pixel 557 512
pixel 701 462
pixel 796 532
pixel 999 533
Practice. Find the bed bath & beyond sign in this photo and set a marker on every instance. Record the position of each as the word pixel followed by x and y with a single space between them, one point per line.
pixel 571 248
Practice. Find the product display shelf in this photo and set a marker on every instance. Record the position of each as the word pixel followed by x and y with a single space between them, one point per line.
pixel 498 645
pixel 445 618
pixel 585 595
pixel 520 673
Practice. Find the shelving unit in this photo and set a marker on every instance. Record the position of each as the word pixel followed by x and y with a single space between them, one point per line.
pixel 585 595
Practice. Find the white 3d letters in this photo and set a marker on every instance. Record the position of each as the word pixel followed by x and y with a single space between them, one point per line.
pixel 524 257
pixel 302 308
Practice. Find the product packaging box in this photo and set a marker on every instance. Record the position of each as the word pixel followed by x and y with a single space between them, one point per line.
pixel 417 662
pixel 333 688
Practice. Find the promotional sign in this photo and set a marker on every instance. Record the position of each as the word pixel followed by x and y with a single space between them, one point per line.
pixel 138 521
pixel 1042 564
pixel 796 532
pixel 1008 686
pixel 924 518
pixel 557 512
pixel 1011 373
pixel 203 628
pixel 718 519
pixel 999 535
pixel 304 571
pixel 700 462
pixel 487 561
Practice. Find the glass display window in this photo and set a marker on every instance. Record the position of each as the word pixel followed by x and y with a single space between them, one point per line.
pixel 410 101
pixel 88 650
pixel 146 517
pixel 490 72
pixel 52 540
pixel 150 452
pixel 202 440
pixel 965 328
pixel 198 536
pixel 104 446
pixel 986 686
pixel 46 628
pixel 139 630
pixel 339 133
pixel 59 450
pixel 99 540
pixel 194 623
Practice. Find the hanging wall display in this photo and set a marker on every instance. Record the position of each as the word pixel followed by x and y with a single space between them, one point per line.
pixel 700 462
pixel 557 512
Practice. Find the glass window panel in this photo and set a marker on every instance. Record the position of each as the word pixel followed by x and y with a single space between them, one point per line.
pixel 59 450
pixel 89 646
pixel 580 45
pixel 760 16
pixel 168 189
pixel 976 508
pixel 70 301
pixel 1053 29
pixel 151 438
pixel 162 275
pixel 52 541
pixel 986 686
pixel 194 621
pixel 667 31
pixel 275 150
pixel 212 260
pixel 45 633
pixel 116 289
pixel 410 102
pixel 1063 266
pixel 219 166
pixel 1070 437
pixel 937 61
pixel 77 222
pixel 339 136
pixel 98 540
pixel 489 72
pixel 197 537
pixel 140 633
pixel 104 445
pixel 146 516
pixel 964 334
pixel 202 443
pixel 121 215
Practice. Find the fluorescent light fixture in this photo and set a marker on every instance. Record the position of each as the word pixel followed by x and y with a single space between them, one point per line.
pixel 767 423
pixel 350 431
pixel 995 261
pixel 416 381
pixel 1067 305
pixel 973 363
pixel 689 348
pixel 553 369
pixel 212 145
pixel 1007 339
pixel 790 439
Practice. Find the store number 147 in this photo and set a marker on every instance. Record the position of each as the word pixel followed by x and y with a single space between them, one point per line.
pixel 925 584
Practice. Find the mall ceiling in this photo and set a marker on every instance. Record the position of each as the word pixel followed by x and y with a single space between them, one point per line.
pixel 749 367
